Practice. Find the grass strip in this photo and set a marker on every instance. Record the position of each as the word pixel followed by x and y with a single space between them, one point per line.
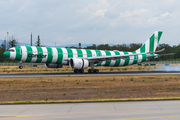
pixel 95 100
pixel 89 89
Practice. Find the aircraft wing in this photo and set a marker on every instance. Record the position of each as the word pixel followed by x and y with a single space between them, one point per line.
pixel 112 57
pixel 115 57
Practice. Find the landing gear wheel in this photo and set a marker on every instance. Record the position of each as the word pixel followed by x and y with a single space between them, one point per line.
pixel 76 71
pixel 81 70
pixel 90 70
pixel 95 70
pixel 20 67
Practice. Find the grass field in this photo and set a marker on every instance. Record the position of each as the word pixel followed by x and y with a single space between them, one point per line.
pixel 100 88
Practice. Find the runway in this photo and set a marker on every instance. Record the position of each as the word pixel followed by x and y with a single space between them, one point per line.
pixel 91 74
pixel 138 110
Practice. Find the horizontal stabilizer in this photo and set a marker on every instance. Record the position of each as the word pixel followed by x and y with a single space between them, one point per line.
pixel 166 54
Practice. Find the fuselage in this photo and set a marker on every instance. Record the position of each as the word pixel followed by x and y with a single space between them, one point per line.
pixel 60 55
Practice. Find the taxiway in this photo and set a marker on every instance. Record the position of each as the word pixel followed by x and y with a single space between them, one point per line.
pixel 137 110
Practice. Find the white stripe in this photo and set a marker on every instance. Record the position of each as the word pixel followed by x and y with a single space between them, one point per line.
pixel 103 54
pixel 65 56
pixel 131 59
pixel 155 40
pixel 122 60
pixel 84 53
pixel 34 50
pixel 147 45
pixel 55 55
pixel 44 49
pixel 13 54
pixel 24 53
pixel 139 58
pixel 93 53
pixel 74 51
pixel 112 61
pixel 138 51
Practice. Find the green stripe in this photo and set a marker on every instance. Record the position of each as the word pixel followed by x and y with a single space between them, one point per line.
pixel 117 63
pixel 69 52
pixel 29 51
pixel 79 53
pixel 98 64
pixel 39 54
pixel 108 62
pixel 135 57
pixel 143 57
pixel 127 59
pixel 18 53
pixel 60 56
pixel 159 36
pixel 89 53
pixel 151 49
pixel 50 57
pixel 142 49
pixel 7 53
pixel 98 53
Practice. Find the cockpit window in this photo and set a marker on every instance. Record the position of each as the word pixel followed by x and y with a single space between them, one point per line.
pixel 11 50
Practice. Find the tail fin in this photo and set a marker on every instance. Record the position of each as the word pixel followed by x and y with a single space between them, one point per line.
pixel 151 44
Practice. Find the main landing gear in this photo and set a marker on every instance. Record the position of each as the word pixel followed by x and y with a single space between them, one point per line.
pixel 93 71
pixel 89 71
pixel 78 70
pixel 20 65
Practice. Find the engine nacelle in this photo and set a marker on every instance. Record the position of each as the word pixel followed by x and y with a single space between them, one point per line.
pixel 78 63
pixel 50 65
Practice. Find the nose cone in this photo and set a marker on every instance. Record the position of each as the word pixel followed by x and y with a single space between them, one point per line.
pixel 7 54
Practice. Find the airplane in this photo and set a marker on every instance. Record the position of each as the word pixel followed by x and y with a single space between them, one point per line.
pixel 80 59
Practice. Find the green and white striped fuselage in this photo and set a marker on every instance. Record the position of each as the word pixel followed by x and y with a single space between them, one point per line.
pixel 79 59
pixel 60 55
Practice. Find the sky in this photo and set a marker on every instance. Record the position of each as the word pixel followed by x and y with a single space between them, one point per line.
pixel 90 21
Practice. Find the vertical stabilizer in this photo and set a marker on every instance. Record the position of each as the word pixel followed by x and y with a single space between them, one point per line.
pixel 151 44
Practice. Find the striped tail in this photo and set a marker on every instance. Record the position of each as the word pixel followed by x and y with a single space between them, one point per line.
pixel 151 44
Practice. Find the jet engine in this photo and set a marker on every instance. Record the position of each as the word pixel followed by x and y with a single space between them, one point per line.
pixel 78 63
pixel 50 65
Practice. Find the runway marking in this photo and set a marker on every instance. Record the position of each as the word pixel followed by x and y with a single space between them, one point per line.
pixel 20 116
pixel 148 118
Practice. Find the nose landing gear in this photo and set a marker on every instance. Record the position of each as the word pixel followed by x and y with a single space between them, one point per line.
pixel 20 65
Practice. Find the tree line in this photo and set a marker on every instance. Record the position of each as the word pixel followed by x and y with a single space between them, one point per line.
pixel 12 43
pixel 121 47
pixel 134 46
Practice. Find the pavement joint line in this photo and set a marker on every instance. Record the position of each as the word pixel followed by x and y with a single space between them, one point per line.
pixel 148 118
pixel 97 108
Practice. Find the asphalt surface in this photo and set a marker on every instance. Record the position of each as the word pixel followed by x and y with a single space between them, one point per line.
pixel 138 110
pixel 92 74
